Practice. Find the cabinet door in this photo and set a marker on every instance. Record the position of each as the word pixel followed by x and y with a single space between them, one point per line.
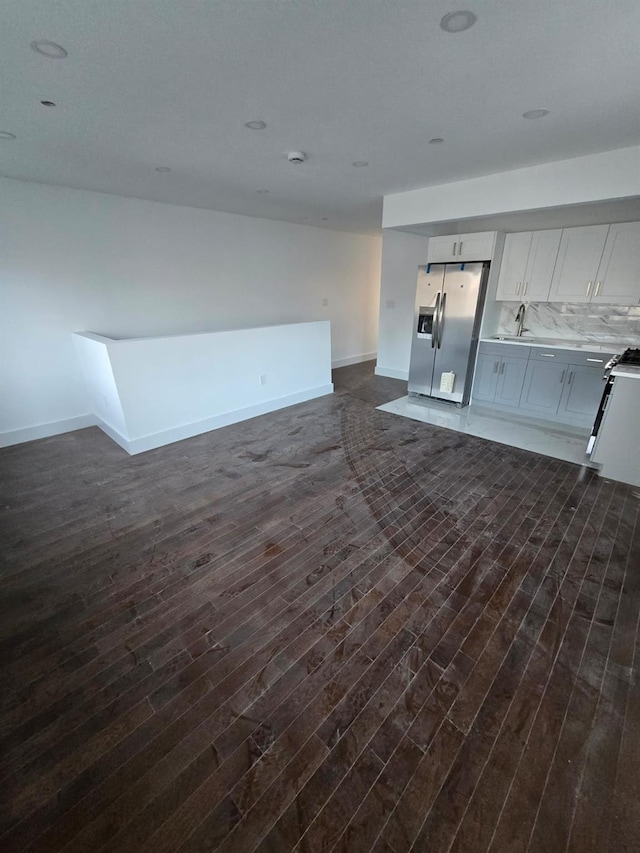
pixel 540 265
pixel 461 247
pixel 574 276
pixel 581 394
pixel 476 247
pixel 618 279
pixel 513 266
pixel 486 378
pixel 510 379
pixel 443 249
pixel 543 386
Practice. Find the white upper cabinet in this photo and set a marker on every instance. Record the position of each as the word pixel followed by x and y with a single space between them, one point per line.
pixel 461 248
pixel 442 249
pixel 576 269
pixel 540 265
pixel 593 263
pixel 618 277
pixel 514 266
pixel 476 247
pixel 527 265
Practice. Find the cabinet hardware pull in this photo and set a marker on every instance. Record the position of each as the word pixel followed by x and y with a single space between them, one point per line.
pixel 562 376
pixel 460 248
pixel 547 355
pixel 518 286
pixel 496 364
pixel 597 290
pixel 570 379
pixel 589 285
pixel 501 368
pixel 597 360
pixel 454 249
pixel 526 286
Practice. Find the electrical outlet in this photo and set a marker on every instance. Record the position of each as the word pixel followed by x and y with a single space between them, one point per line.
pixel 325 302
pixel 263 378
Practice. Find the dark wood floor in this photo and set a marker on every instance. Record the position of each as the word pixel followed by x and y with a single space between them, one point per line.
pixel 326 629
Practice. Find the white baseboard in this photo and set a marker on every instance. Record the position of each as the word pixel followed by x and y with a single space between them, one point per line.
pixel 19 436
pixel 159 439
pixel 354 359
pixel 113 434
pixel 392 373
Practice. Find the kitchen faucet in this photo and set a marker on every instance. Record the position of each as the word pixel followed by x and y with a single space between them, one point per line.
pixel 520 320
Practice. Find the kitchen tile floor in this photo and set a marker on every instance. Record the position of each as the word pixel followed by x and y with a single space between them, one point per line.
pixel 326 629
pixel 557 440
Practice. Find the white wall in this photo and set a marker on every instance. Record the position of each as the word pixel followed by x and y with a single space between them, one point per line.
pixel 149 392
pixel 100 383
pixel 401 256
pixel 72 260
pixel 596 177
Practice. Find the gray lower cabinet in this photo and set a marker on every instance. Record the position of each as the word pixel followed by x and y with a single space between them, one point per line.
pixel 499 374
pixel 486 377
pixel 543 384
pixel 581 394
pixel 510 378
pixel 553 384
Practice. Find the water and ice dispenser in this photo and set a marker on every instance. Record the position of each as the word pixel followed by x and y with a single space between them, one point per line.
pixel 425 322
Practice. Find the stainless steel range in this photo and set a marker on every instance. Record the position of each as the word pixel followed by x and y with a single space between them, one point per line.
pixel 628 363
pixel 625 364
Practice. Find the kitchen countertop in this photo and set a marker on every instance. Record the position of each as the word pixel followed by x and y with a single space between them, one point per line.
pixel 556 343
pixel 626 371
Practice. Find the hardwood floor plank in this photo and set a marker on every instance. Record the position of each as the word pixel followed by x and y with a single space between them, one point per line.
pixel 326 629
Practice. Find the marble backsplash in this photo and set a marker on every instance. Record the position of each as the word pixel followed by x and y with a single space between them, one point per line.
pixel 574 321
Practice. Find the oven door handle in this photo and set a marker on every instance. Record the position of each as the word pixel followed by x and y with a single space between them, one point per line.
pixel 604 402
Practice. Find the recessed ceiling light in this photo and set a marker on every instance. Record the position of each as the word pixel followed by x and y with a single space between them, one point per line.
pixel 47 103
pixel 49 49
pixel 262 192
pixel 360 163
pixel 4 134
pixel 436 140
pixel 162 169
pixel 539 113
pixel 457 22
pixel 255 125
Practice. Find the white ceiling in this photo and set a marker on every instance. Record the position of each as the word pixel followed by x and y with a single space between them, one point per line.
pixel 171 83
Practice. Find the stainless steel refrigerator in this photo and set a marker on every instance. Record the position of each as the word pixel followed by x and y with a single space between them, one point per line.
pixel 449 302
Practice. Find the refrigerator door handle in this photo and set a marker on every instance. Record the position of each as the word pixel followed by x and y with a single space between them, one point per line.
pixel 434 330
pixel 441 319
